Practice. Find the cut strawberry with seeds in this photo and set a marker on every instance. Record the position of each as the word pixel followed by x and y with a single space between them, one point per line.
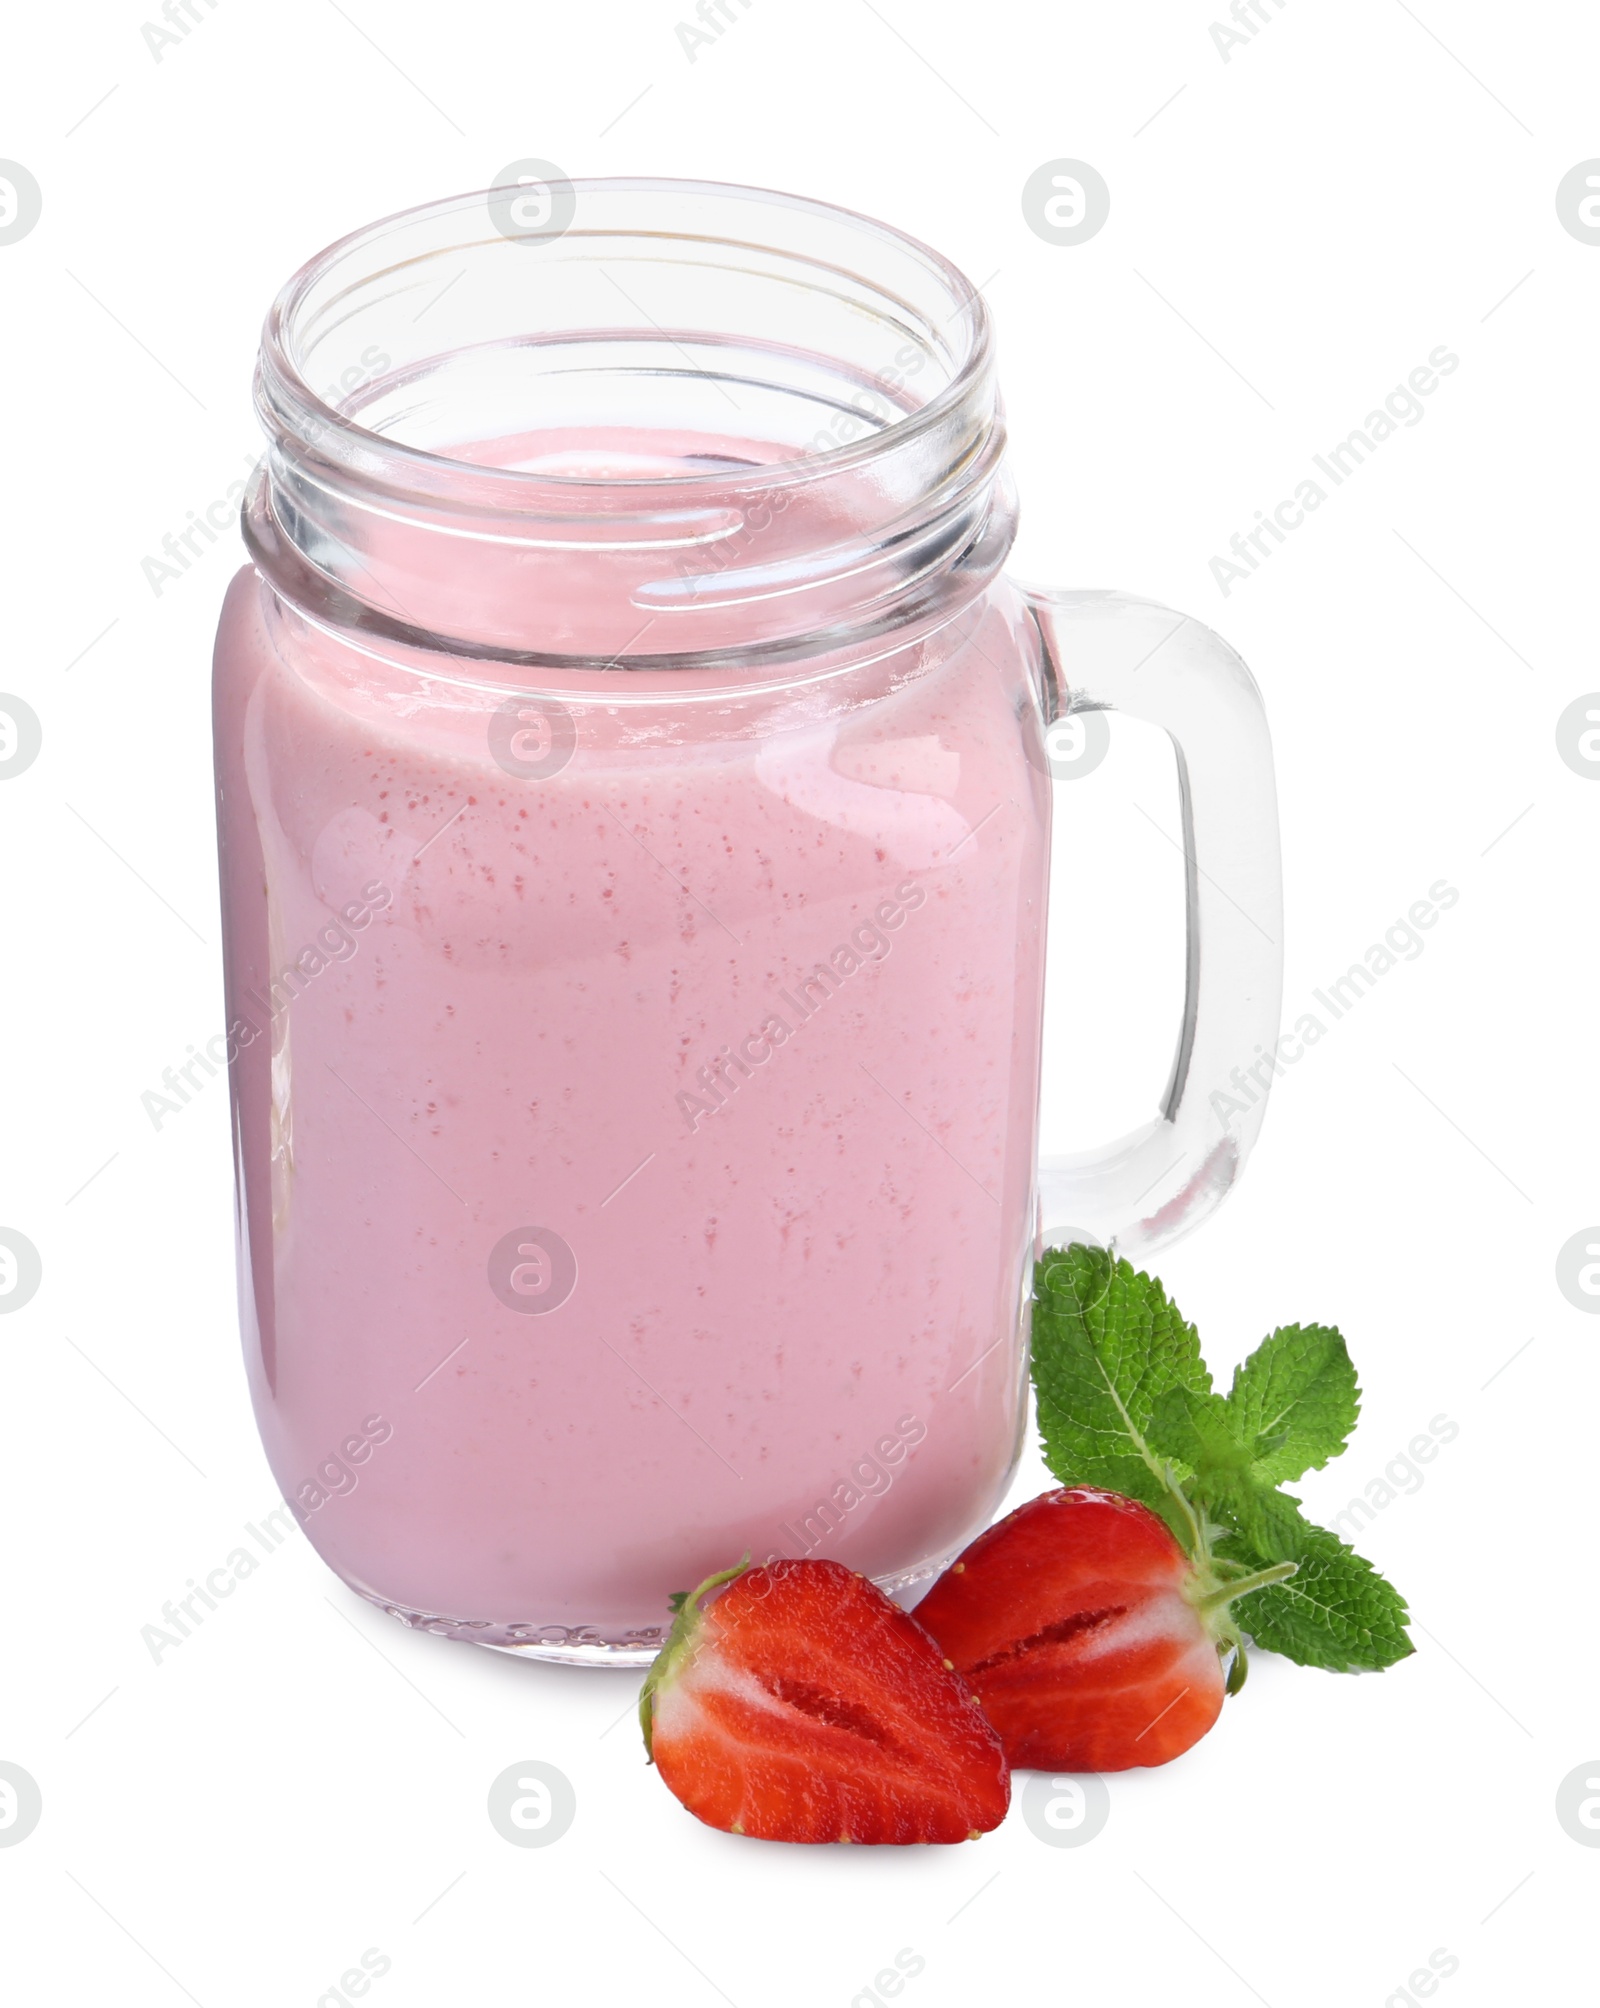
pixel 1089 1637
pixel 800 1704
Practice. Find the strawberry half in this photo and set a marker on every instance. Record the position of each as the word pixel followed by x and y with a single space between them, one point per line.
pixel 1087 1634
pixel 802 1705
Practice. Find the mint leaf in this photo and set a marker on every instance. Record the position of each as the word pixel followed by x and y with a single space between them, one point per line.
pixel 1107 1345
pixel 1337 1612
pixel 1268 1522
pixel 1291 1406
pixel 1200 1432
pixel 1294 1401
pixel 1196 1428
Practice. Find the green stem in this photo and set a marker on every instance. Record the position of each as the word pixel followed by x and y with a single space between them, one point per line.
pixel 1199 1546
pixel 1221 1597
pixel 691 1602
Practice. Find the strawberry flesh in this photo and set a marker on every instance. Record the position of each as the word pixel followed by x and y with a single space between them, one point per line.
pixel 1075 1621
pixel 800 1704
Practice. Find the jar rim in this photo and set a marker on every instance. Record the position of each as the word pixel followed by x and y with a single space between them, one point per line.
pixel 339 435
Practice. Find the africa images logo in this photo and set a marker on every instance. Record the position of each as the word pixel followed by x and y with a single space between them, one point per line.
pixel 1402 407
pixel 721 1078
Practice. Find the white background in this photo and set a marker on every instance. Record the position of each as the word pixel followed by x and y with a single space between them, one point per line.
pixel 304 1779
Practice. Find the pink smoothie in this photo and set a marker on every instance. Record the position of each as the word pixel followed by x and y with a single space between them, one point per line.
pixel 739 1008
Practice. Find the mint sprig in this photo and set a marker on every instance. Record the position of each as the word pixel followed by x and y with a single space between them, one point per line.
pixel 1126 1403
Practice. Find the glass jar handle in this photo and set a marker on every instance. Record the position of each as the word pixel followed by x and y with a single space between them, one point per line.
pixel 1109 652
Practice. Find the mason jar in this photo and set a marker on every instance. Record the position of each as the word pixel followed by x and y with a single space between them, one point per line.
pixel 634 779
